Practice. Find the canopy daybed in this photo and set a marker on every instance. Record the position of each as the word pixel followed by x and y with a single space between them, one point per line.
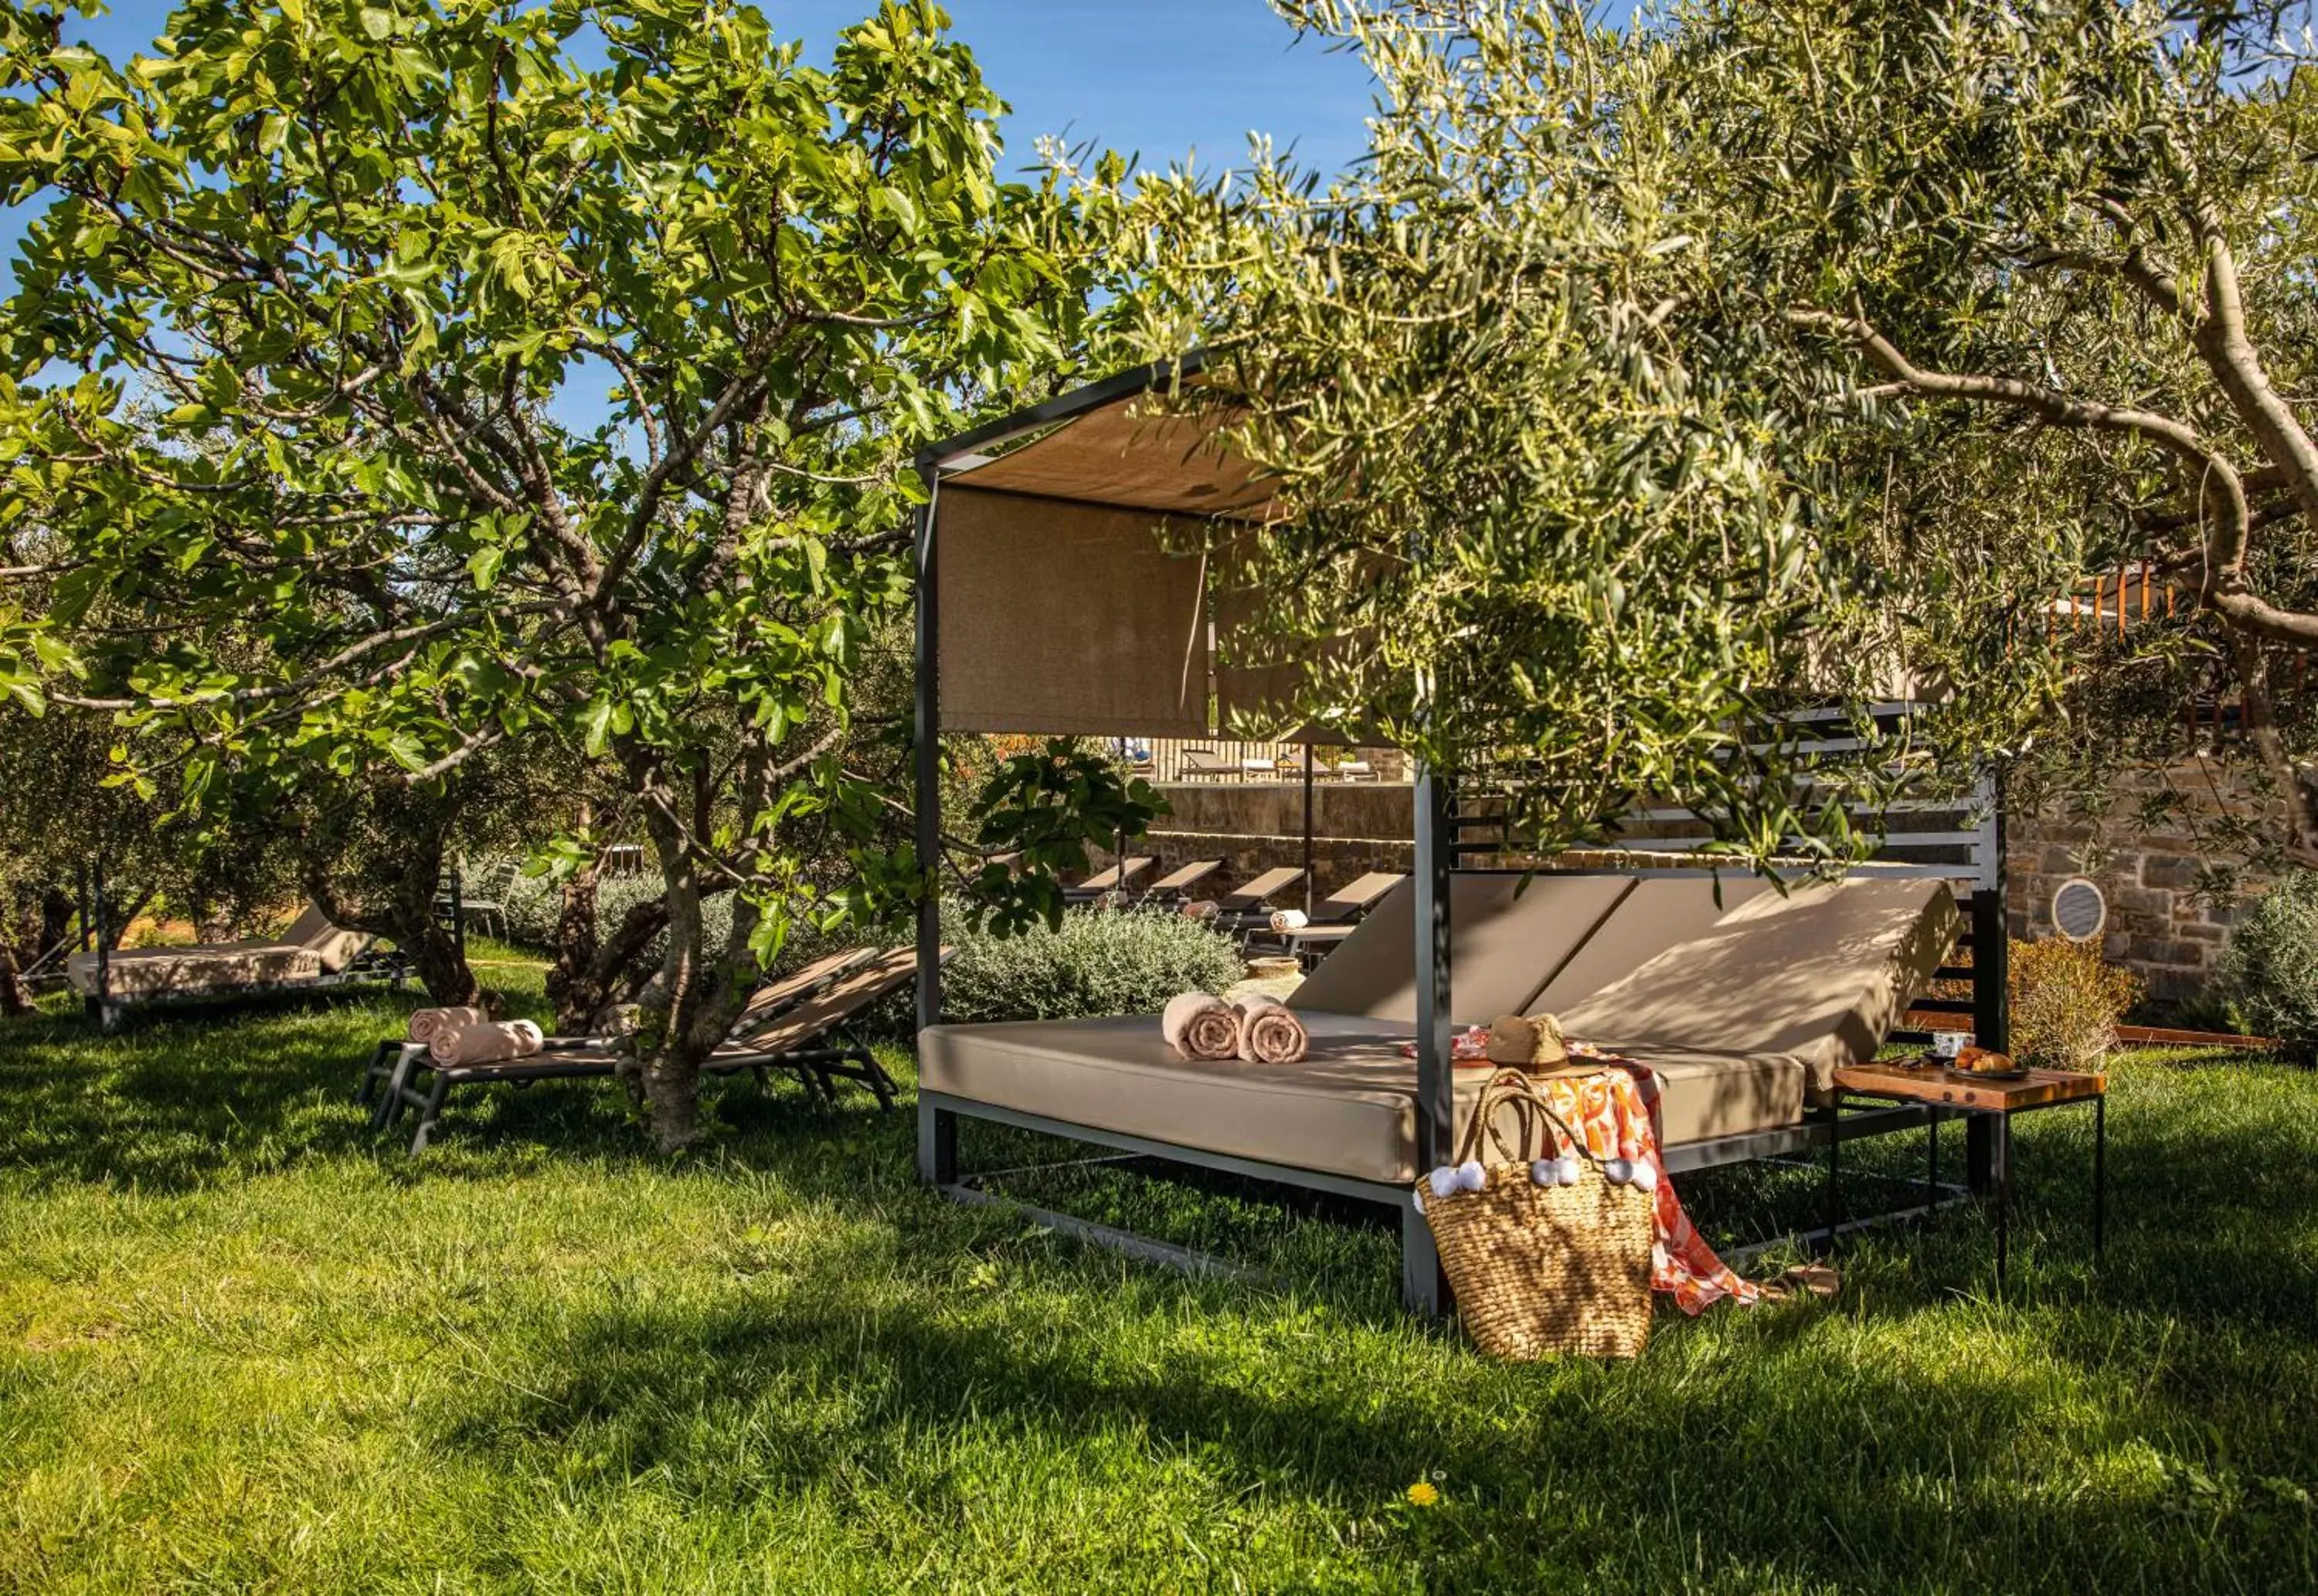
pixel 1047 604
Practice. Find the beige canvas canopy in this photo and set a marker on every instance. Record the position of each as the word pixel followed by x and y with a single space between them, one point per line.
pixel 1073 594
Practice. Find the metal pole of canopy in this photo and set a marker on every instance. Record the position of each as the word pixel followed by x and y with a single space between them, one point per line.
pixel 927 661
pixel 1436 823
pixel 1308 829
pixel 936 1127
pixel 1423 1285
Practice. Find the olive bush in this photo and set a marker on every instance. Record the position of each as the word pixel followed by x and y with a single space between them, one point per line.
pixel 2269 971
pixel 1098 963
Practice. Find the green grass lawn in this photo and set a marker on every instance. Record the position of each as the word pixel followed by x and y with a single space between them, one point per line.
pixel 242 1345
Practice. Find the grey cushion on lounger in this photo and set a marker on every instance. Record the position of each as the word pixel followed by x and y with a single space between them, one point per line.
pixel 1349 1109
pixel 1820 976
pixel 1505 941
pixel 1660 912
pixel 173 972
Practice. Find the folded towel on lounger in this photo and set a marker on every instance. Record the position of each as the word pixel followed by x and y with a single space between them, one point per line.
pixel 1289 920
pixel 427 1024
pixel 1201 1026
pixel 1202 909
pixel 1270 1033
pixel 486 1044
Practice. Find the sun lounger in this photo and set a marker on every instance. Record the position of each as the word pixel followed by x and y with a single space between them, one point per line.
pixel 1334 917
pixel 310 953
pixel 1744 1025
pixel 1177 884
pixel 809 1037
pixel 389 1068
pixel 1507 941
pixel 1204 765
pixel 1233 907
pixel 1117 878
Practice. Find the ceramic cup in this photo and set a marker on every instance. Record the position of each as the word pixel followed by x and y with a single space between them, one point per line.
pixel 1948 1044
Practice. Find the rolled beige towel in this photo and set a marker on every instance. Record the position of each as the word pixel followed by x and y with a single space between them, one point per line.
pixel 1289 920
pixel 1270 1033
pixel 1200 1026
pixel 486 1044
pixel 1202 909
pixel 427 1024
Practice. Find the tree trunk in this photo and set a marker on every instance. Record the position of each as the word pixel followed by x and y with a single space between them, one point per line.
pixel 407 917
pixel 615 973
pixel 20 942
pixel 441 963
pixel 14 1000
pixel 692 1004
pixel 56 911
pixel 576 945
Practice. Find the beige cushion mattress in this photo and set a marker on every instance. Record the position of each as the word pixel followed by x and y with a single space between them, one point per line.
pixel 1348 1109
pixel 176 972
pixel 1821 975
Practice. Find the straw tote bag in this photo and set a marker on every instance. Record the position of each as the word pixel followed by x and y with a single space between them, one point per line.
pixel 1541 1270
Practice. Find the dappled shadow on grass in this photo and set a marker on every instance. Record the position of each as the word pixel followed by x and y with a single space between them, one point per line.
pixel 1780 1449
pixel 1905 1437
pixel 815 1332
pixel 178 1100
pixel 181 1096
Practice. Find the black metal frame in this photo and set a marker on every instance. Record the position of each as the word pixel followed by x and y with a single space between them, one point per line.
pixel 1991 1127
pixel 1439 842
pixel 388 1077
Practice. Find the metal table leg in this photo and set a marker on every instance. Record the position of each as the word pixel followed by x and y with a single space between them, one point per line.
pixel 1834 1173
pixel 2003 1198
pixel 2100 1168
pixel 1931 1162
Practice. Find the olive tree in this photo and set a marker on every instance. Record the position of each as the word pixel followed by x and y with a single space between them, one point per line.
pixel 1641 375
pixel 322 275
pixel 1523 524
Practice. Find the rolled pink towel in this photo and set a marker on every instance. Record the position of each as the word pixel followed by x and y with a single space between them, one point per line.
pixel 427 1024
pixel 486 1044
pixel 1202 909
pixel 1200 1026
pixel 1270 1033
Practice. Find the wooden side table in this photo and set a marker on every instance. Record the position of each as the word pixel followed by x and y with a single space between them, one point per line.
pixel 1946 1090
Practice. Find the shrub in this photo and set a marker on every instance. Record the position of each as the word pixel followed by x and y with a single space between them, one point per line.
pixel 2269 971
pixel 2066 1002
pixel 1100 962
pixel 534 902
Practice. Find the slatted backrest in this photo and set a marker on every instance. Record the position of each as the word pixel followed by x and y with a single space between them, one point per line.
pixel 848 997
pixel 775 996
pixel 1104 881
pixel 1355 896
pixel 1251 893
pixel 1957 838
pixel 1189 875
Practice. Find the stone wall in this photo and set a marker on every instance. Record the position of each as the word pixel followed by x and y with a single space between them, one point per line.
pixel 2163 924
pixel 1357 827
